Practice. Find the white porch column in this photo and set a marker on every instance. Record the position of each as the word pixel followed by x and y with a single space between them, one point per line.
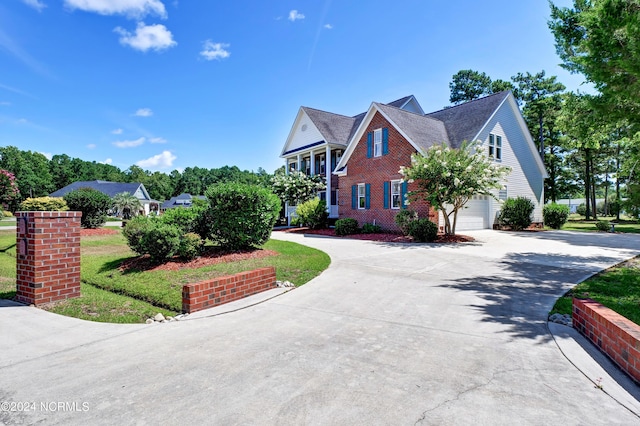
pixel 328 171
pixel 299 160
pixel 286 166
pixel 313 163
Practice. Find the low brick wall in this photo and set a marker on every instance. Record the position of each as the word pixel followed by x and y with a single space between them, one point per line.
pixel 221 290
pixel 614 334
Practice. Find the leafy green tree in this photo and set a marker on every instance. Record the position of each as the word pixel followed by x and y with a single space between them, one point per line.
pixel 599 39
pixel 467 85
pixel 128 205
pixel 447 178
pixel 93 204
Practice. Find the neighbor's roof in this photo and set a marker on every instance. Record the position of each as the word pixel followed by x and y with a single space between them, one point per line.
pixel 182 200
pixel 109 188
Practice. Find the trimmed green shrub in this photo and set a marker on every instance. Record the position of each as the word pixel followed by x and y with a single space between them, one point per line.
pixel 239 215
pixel 404 218
pixel 370 228
pixel 347 226
pixel 185 218
pixel 135 230
pixel 161 241
pixel 423 230
pixel 603 225
pixel 93 204
pixel 7 213
pixel 555 215
pixel 516 213
pixel 581 209
pixel 190 246
pixel 44 204
pixel 312 213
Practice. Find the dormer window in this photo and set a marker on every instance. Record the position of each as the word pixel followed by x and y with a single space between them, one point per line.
pixel 495 147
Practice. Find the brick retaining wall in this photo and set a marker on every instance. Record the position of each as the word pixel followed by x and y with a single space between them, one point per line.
pixel 612 333
pixel 48 256
pixel 210 293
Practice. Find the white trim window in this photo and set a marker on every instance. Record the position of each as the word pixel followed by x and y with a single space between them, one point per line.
pixel 396 191
pixel 495 147
pixel 377 142
pixel 362 196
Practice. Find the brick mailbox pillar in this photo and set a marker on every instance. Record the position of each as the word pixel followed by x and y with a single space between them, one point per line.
pixel 48 256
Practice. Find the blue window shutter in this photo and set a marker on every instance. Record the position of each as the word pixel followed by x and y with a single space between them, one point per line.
pixel 369 145
pixel 387 187
pixel 354 197
pixel 403 194
pixel 385 141
pixel 367 195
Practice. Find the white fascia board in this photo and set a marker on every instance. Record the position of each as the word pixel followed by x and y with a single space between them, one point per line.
pixel 523 127
pixel 363 126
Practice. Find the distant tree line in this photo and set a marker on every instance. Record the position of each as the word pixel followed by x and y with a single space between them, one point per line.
pixel 37 176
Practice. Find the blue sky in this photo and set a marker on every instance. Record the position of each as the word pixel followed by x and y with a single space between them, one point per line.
pixel 173 84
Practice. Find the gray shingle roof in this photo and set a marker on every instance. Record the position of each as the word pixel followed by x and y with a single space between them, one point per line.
pixel 400 102
pixel 109 188
pixel 335 128
pixel 424 131
pixel 464 121
pixel 182 200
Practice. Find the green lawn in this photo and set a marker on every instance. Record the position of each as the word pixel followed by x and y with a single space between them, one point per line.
pixel 626 226
pixel 617 288
pixel 110 295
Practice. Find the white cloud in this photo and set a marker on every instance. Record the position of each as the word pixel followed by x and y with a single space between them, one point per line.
pixel 211 50
pixel 5 103
pixel 144 112
pixel 48 155
pixel 130 144
pixel 107 161
pixel 116 131
pixel 328 26
pixel 157 140
pixel 294 15
pixel 92 146
pixel 160 161
pixel 22 121
pixel 130 8
pixel 155 37
pixel 36 4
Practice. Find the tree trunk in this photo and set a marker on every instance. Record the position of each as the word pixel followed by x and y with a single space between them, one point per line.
pixel 593 190
pixel 541 136
pixel 587 184
pixel 618 182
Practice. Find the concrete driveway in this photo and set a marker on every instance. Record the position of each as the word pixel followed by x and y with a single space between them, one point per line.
pixel 389 334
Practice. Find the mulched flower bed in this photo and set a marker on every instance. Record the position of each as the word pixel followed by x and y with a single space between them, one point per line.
pixel 210 257
pixel 381 237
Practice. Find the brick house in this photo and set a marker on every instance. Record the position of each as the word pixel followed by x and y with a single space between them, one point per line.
pixel 367 150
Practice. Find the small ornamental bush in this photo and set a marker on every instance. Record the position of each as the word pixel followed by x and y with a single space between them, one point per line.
pixel 370 228
pixel 603 225
pixel 555 215
pixel 93 204
pixel 190 246
pixel 423 230
pixel 7 213
pixel 239 216
pixel 134 232
pixel 581 209
pixel 161 241
pixel 186 219
pixel 404 218
pixel 312 213
pixel 516 213
pixel 44 204
pixel 347 226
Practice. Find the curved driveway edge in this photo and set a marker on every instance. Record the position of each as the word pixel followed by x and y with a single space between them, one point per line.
pixel 389 334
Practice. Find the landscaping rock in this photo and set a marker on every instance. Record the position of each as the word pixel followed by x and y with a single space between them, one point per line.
pixel 159 317
pixel 284 284
pixel 561 319
pixel 150 321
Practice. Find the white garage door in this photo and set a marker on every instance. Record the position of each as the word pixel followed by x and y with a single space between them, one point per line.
pixel 475 215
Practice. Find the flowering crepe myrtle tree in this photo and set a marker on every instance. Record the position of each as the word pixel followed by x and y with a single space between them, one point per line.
pixel 447 178
pixel 9 192
pixel 296 187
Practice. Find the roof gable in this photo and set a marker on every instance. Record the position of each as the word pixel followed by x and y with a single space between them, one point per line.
pixel 463 122
pixel 109 188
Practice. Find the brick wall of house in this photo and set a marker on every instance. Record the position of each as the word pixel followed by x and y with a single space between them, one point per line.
pixel 375 171
pixel 221 290
pixel 48 256
pixel 612 333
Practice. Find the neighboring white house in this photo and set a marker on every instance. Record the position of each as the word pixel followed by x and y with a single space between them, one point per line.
pixel 360 155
